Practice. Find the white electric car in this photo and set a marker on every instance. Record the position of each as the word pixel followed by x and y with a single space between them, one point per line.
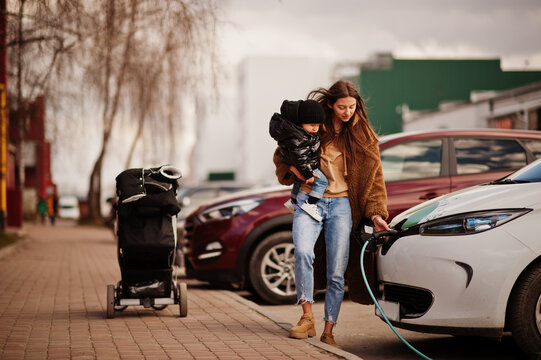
pixel 469 263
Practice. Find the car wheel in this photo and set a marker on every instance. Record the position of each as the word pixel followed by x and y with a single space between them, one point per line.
pixel 525 312
pixel 272 269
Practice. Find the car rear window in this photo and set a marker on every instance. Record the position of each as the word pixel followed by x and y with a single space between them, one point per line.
pixel 475 156
pixel 412 160
pixel 534 146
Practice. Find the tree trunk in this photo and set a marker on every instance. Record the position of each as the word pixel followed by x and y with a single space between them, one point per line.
pixel 173 95
pixel 110 108
pixel 147 89
pixel 136 138
pixel 94 190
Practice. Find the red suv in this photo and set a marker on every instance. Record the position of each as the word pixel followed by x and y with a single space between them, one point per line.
pixel 245 239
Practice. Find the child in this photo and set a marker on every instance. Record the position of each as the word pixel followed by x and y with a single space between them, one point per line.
pixel 296 131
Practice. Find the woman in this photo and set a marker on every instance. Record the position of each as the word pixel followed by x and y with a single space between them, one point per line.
pixel 350 160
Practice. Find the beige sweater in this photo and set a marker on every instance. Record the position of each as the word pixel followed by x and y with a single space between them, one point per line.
pixel 333 165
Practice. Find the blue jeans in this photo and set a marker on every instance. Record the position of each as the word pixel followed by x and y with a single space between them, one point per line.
pixel 337 223
pixel 318 186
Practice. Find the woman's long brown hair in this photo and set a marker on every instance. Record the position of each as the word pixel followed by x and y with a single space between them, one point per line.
pixel 357 130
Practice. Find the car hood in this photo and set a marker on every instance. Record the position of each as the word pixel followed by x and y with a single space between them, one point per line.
pixel 480 197
pixel 263 192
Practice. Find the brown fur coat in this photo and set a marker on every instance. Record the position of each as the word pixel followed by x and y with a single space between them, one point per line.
pixel 368 197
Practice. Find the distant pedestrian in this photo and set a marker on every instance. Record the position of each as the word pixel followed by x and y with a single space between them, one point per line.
pixel 52 207
pixel 295 129
pixel 42 209
pixel 356 190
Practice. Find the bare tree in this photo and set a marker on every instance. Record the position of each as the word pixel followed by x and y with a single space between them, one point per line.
pixel 176 35
pixel 111 48
pixel 132 54
pixel 39 37
pixel 146 92
pixel 187 61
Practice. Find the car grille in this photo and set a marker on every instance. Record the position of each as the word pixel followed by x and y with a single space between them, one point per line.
pixel 414 302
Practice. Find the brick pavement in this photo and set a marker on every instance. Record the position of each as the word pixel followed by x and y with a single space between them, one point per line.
pixel 53 306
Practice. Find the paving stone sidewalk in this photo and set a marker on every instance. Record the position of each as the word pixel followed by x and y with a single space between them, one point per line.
pixel 53 306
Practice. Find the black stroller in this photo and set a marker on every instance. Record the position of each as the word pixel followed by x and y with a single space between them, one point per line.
pixel 145 228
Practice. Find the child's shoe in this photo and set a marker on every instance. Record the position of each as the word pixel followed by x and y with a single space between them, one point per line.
pixel 290 206
pixel 312 210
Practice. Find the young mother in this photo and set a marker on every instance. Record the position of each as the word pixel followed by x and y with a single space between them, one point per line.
pixel 350 160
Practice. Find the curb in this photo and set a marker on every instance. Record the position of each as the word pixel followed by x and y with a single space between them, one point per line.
pixel 287 326
pixel 13 248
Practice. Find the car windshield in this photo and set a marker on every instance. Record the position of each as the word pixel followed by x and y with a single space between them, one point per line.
pixel 529 173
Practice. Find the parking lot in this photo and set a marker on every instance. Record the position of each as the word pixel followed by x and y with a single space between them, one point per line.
pixel 361 333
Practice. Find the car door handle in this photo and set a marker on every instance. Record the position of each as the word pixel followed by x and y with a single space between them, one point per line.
pixel 428 196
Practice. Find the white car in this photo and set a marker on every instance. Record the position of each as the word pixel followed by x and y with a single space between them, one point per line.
pixel 68 207
pixel 469 262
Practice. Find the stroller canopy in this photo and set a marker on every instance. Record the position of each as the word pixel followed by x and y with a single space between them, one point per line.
pixel 146 203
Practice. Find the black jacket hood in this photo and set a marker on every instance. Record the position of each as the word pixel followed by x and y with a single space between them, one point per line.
pixel 299 147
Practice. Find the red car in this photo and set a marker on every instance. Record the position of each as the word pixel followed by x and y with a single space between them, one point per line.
pixel 245 239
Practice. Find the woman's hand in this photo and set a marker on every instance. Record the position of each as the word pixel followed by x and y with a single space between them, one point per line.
pixel 309 181
pixel 379 223
pixel 296 172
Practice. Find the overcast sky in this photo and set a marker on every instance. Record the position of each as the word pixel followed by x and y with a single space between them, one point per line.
pixel 354 29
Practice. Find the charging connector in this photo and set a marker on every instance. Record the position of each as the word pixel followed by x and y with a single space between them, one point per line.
pixel 378 238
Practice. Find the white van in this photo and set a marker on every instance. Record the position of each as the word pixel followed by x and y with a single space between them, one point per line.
pixel 68 207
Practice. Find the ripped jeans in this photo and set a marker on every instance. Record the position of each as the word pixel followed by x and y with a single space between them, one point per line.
pixel 337 223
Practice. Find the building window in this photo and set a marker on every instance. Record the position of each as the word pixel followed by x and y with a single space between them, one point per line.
pixel 221 176
pixel 534 119
pixel 505 122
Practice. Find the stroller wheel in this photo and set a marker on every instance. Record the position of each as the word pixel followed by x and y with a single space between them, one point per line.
pixel 159 307
pixel 118 295
pixel 182 299
pixel 110 301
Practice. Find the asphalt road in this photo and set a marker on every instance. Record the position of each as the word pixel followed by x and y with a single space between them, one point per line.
pixel 362 333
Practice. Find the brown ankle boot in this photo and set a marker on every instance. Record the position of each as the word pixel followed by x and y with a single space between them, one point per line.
pixel 304 328
pixel 329 339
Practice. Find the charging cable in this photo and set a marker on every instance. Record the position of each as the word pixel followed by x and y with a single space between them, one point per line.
pixel 376 302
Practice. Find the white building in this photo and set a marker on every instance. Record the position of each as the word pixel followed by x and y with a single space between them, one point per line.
pixel 232 137
pixel 264 82
pixel 518 108
pixel 217 128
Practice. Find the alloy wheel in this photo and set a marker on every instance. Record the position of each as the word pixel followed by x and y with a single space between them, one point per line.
pixel 278 269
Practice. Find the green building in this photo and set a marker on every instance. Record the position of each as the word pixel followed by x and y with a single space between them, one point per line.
pixel 387 84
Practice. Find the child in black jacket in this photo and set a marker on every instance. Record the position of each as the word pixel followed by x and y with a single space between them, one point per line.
pixel 296 131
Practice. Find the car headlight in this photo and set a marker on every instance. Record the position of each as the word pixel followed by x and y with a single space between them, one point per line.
pixel 229 210
pixel 470 223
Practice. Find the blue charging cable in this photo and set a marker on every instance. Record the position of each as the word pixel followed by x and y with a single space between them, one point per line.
pixel 379 308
